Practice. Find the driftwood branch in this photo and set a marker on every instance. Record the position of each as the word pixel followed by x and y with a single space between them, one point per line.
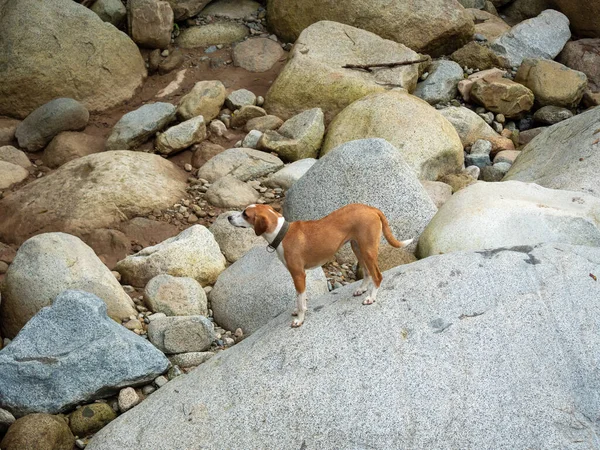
pixel 369 67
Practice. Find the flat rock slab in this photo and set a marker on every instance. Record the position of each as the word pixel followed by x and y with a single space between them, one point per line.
pixel 212 34
pixel 501 330
pixel 257 55
pixel 241 163
pixel 70 353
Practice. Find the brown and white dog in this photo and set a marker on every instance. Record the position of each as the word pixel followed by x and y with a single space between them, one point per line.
pixel 305 245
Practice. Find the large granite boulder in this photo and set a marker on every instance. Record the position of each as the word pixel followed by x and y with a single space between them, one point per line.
pixel 314 77
pixel 426 140
pixel 563 156
pixel 543 36
pixel 192 253
pixel 370 171
pixel 435 27
pixel 70 353
pixel 45 266
pixel 257 288
pixel 58 48
pixel 509 214
pixel 490 347
pixel 96 191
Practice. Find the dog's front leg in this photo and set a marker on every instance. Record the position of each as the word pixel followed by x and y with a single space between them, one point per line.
pixel 300 284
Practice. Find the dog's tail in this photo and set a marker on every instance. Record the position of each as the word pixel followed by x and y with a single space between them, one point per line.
pixel 387 232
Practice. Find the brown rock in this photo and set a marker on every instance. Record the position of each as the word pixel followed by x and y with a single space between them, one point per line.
pixel 184 9
pixel 63 50
pixel 205 99
pixel 476 56
pixel 69 145
pixel 111 246
pixel 150 22
pixel 457 181
pixel 38 432
pixel 263 123
pixel 583 15
pixel 526 136
pixel 203 152
pixel 7 254
pixel 174 61
pixel 7 131
pixel 502 96
pixel 13 155
pixel 257 55
pixel 11 174
pixel 489 25
pixel 246 113
pixel 552 83
pixel 146 232
pixel 464 86
pixel 434 27
pixel 96 191
pixel 508 156
pixel 584 55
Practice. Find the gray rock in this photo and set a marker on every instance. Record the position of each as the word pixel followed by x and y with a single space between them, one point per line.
pixel 512 349
pixel 245 114
pixel 192 253
pixel 487 216
pixel 477 4
pixel 251 139
pixel 229 192
pixel 495 172
pixel 137 126
pixel 364 171
pixel 257 55
pixel 298 138
pixel 543 36
pixel 471 126
pixel 11 174
pixel 481 147
pixel 257 288
pixel 181 136
pixel 6 420
pixel 440 86
pixel 205 99
pixel 70 353
pixel 191 359
pixel 234 242
pixel 12 155
pixel 181 334
pixel 7 131
pixel 239 98
pixel 479 160
pixel 218 32
pixel 111 11
pixel 45 266
pixel 241 163
pixel 291 173
pixel 39 127
pixel 562 157
pixel 175 296
pixel 549 115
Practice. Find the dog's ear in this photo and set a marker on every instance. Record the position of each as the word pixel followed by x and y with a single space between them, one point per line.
pixel 260 224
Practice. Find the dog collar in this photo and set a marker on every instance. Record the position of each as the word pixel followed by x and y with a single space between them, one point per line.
pixel 284 229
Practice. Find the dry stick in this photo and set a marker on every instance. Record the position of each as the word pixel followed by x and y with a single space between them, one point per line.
pixel 368 67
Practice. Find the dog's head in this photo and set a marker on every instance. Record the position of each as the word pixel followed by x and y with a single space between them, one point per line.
pixel 262 218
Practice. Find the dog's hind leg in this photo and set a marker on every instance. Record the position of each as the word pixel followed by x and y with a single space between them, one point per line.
pixel 366 276
pixel 371 262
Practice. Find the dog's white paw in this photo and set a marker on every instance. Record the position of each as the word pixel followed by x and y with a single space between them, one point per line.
pixel 368 301
pixel 358 292
pixel 295 312
pixel 297 323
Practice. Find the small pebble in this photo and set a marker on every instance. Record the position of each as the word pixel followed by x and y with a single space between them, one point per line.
pixel 188 167
pixel 79 443
pixel 229 341
pixel 260 100
pixel 128 398
pixel 160 381
pixel 148 389
pixel 238 333
pixel 165 53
